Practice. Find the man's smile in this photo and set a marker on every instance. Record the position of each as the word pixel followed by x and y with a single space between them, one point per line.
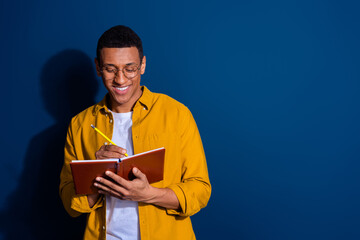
pixel 121 90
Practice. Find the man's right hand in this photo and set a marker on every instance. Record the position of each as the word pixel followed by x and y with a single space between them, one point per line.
pixel 110 151
pixel 106 152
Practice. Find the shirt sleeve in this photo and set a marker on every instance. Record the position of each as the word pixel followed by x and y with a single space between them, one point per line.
pixel 194 190
pixel 73 204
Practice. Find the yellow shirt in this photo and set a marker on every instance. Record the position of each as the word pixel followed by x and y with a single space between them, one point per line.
pixel 158 121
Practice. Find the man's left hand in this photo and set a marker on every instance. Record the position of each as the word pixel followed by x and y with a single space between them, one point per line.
pixel 138 189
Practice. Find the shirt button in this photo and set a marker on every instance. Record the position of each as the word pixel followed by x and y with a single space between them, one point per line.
pixel 105 115
pixel 104 227
pixel 110 120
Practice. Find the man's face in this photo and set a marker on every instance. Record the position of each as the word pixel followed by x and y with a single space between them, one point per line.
pixel 123 91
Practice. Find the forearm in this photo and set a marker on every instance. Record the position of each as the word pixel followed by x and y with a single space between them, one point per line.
pixel 164 197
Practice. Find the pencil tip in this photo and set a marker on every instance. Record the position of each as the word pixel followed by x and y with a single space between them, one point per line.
pixel 92 126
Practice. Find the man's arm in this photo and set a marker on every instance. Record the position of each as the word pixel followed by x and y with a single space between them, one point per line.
pixel 194 190
pixel 74 204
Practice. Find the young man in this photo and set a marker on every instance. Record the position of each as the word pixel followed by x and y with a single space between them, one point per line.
pixel 137 120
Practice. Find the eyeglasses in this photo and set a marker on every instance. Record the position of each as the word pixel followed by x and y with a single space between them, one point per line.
pixel 111 72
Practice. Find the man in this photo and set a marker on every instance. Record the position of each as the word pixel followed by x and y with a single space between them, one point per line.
pixel 137 120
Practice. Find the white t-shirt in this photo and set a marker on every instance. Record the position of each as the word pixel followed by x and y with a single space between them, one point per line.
pixel 122 216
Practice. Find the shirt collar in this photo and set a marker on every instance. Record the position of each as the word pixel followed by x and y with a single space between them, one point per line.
pixel 145 100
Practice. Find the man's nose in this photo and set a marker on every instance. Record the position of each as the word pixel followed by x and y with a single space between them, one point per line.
pixel 120 77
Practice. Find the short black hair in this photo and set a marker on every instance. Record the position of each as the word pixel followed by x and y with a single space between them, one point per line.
pixel 119 37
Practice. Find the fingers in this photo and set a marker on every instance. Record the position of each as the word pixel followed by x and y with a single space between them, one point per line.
pixel 108 187
pixel 135 190
pixel 117 179
pixel 109 191
pixel 110 151
pixel 115 148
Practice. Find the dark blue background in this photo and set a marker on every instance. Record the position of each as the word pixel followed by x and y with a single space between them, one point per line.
pixel 273 86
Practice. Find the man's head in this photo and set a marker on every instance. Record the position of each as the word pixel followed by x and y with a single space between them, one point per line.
pixel 120 63
pixel 119 37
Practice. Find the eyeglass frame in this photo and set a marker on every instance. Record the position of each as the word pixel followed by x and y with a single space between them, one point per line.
pixel 118 70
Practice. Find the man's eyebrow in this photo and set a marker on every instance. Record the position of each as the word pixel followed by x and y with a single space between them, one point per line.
pixel 113 65
pixel 109 65
pixel 130 64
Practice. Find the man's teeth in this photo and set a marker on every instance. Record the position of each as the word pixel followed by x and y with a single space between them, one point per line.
pixel 122 89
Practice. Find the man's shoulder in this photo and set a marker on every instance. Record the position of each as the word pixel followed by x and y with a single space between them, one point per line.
pixel 167 103
pixel 85 115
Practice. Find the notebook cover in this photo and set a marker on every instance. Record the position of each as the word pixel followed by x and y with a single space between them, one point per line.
pixel 150 163
pixel 85 172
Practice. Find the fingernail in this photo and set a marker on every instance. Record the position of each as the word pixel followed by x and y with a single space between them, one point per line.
pixel 123 151
pixel 98 179
pixel 107 172
pixel 135 170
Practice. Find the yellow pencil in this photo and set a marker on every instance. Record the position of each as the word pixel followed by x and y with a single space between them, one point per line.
pixel 105 137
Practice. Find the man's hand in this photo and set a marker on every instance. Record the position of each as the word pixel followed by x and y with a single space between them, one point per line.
pixel 105 152
pixel 138 190
pixel 110 151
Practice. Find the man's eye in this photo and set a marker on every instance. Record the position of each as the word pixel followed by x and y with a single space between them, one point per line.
pixel 110 70
pixel 130 70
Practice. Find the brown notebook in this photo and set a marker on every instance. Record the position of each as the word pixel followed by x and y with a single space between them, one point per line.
pixel 84 172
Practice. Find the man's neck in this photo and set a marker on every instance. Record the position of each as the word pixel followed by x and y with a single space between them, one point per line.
pixel 123 108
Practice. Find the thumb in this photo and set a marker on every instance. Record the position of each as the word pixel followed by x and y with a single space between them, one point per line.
pixel 138 173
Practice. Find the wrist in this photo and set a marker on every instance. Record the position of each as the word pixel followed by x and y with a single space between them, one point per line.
pixel 92 199
pixel 154 195
pixel 163 197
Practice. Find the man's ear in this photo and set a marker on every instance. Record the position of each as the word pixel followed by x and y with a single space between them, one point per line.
pixel 143 65
pixel 97 67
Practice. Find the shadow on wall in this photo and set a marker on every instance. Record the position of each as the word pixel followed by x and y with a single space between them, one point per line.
pixel 34 210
